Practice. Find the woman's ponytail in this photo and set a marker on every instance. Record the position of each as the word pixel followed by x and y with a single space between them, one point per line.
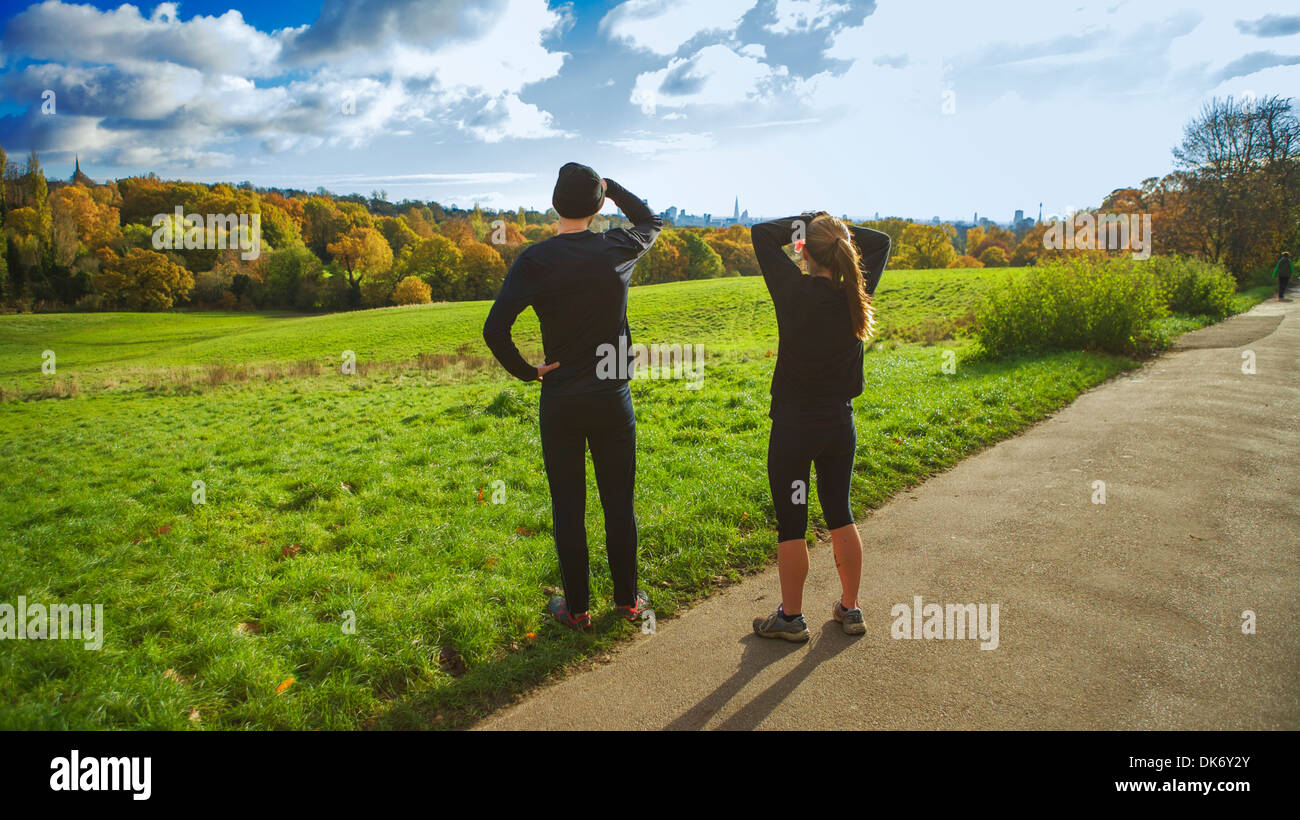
pixel 832 247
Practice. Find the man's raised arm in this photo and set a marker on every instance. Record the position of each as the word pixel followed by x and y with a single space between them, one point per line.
pixel 645 225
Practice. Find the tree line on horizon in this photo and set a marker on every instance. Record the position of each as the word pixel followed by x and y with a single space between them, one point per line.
pixel 1233 198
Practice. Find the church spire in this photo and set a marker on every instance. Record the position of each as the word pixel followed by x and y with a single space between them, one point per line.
pixel 79 176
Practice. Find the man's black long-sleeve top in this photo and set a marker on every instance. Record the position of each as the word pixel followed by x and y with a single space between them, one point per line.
pixel 577 284
pixel 819 359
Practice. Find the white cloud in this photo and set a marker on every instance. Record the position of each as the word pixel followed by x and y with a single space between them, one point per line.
pixel 75 33
pixel 715 75
pixel 663 26
pixel 644 143
pixel 804 15
pixel 781 123
pixel 510 117
pixel 176 90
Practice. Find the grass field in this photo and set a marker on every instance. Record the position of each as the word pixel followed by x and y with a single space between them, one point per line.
pixel 372 494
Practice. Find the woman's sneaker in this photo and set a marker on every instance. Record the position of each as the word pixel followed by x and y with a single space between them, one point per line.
pixel 632 613
pixel 776 626
pixel 560 611
pixel 850 620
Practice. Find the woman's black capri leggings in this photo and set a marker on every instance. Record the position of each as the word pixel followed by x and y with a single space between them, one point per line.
pixel 793 446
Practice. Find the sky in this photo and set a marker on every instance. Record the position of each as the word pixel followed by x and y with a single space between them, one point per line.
pixel 915 108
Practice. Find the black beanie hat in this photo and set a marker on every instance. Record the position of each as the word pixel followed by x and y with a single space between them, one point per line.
pixel 579 191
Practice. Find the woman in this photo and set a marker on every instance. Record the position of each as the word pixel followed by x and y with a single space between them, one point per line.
pixel 823 319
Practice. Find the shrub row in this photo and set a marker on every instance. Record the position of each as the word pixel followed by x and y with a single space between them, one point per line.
pixel 1098 303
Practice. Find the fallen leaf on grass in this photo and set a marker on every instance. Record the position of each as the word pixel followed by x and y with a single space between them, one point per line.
pixel 524 531
pixel 164 529
pixel 279 690
pixel 175 677
pixel 290 550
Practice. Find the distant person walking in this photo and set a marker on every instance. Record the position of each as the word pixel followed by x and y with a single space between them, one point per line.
pixel 577 283
pixel 823 318
pixel 1282 273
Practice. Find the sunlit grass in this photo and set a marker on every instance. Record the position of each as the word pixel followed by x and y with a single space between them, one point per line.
pixel 373 494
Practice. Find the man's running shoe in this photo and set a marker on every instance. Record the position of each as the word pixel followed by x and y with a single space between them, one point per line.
pixel 850 620
pixel 775 626
pixel 560 611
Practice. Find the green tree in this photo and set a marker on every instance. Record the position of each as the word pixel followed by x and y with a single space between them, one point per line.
pixel 702 262
pixel 397 233
pixel 437 261
pixel 286 272
pixel 322 224
pixel 994 256
pixel 278 228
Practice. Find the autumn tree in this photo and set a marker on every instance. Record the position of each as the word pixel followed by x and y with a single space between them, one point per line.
pixel 79 224
pixel 891 225
pixel 412 291
pixel 362 252
pixel 736 251
pixel 1030 249
pixel 664 261
pixel 143 279
pixel 460 231
pixel 485 270
pixel 923 247
pixel 420 221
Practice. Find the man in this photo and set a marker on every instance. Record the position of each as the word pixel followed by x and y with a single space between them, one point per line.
pixel 577 283
pixel 1282 273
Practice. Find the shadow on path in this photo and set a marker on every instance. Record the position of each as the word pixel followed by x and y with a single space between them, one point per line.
pixel 1233 332
pixel 760 653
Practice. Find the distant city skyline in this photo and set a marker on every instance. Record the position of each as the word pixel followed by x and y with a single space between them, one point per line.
pixel 742 217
